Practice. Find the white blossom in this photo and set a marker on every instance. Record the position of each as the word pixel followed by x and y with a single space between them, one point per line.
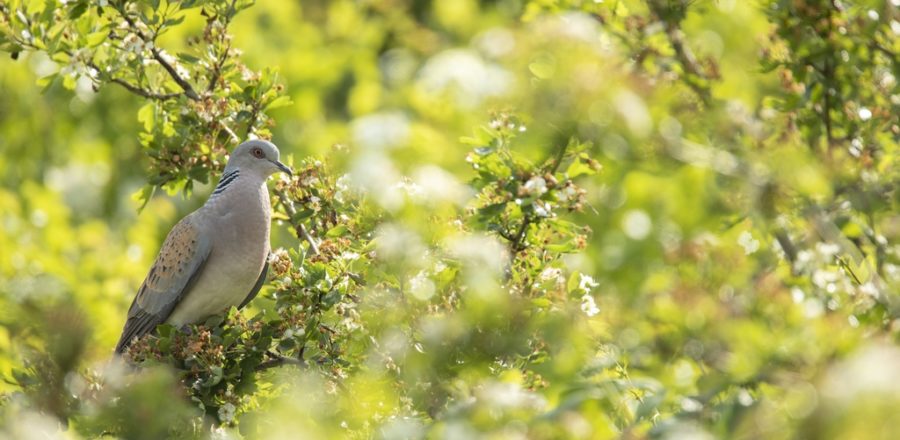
pixel 588 306
pixel 535 186
pixel 421 287
pixel 869 289
pixel 827 250
pixel 586 283
pixel 551 273
pixel 349 256
pixel 567 193
pixel 542 209
pixel 133 44
pixel 226 412
pixel 749 243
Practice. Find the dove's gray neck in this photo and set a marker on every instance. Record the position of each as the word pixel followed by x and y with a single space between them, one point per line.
pixel 229 178
pixel 233 178
pixel 241 202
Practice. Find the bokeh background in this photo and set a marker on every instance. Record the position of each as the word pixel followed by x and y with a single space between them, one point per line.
pixel 744 254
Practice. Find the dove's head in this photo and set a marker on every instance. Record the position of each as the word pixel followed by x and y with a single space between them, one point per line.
pixel 258 157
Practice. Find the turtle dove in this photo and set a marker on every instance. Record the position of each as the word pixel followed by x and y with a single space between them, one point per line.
pixel 215 257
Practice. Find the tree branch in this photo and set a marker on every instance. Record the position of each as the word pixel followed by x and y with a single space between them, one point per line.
pixel 157 55
pixel 217 69
pixel 186 86
pixel 516 244
pixel 234 137
pixel 301 230
pixel 279 360
pixel 684 55
pixel 137 90
pixel 141 92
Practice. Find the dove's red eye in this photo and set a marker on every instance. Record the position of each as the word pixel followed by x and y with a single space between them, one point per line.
pixel 258 153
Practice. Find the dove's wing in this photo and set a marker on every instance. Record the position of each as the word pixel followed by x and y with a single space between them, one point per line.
pixel 178 266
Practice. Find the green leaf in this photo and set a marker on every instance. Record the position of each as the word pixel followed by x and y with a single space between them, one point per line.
pixel 281 101
pixel 303 214
pixel 147 116
pixel 574 282
pixel 48 81
pixel 187 58
pixel 96 38
pixel 583 165
pixel 143 196
pixel 214 321
pixel 78 10
pixel 337 231
pixel 174 21
pixel 69 82
pixel 493 210
pixel 165 330
pixel 648 406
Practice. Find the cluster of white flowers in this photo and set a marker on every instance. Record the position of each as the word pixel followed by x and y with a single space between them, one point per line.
pixel 567 193
pixel 421 286
pixel 588 306
pixel 226 412
pixel 749 243
pixel 552 273
pixel 311 180
pixel 586 283
pixel 351 321
pixel 342 186
pixel 411 189
pixel 543 209
pixel 295 331
pixel 78 64
pixel 135 44
pixel 497 124
pixel 349 256
pixel 535 186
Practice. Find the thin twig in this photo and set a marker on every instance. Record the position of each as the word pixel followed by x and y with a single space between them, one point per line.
pixel 301 229
pixel 683 53
pixel 790 251
pixel 254 115
pixel 313 247
pixel 234 137
pixel 516 244
pixel 217 69
pixel 186 86
pixel 887 52
pixel 137 90
pixel 141 92
pixel 157 55
pixel 278 360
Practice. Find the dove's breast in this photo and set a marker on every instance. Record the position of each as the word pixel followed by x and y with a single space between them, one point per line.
pixel 240 218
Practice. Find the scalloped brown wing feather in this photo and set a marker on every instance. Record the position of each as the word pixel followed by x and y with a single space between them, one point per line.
pixel 176 269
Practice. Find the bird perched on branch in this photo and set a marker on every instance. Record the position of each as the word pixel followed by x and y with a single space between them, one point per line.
pixel 215 257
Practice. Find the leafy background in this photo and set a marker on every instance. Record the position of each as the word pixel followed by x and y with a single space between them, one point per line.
pixel 534 219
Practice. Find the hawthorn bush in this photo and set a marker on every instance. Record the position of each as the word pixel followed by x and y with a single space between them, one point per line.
pixel 538 219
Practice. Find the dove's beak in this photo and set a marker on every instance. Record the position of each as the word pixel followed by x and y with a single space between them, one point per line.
pixel 283 167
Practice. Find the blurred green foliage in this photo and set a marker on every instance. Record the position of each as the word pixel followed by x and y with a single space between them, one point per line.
pixel 537 219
